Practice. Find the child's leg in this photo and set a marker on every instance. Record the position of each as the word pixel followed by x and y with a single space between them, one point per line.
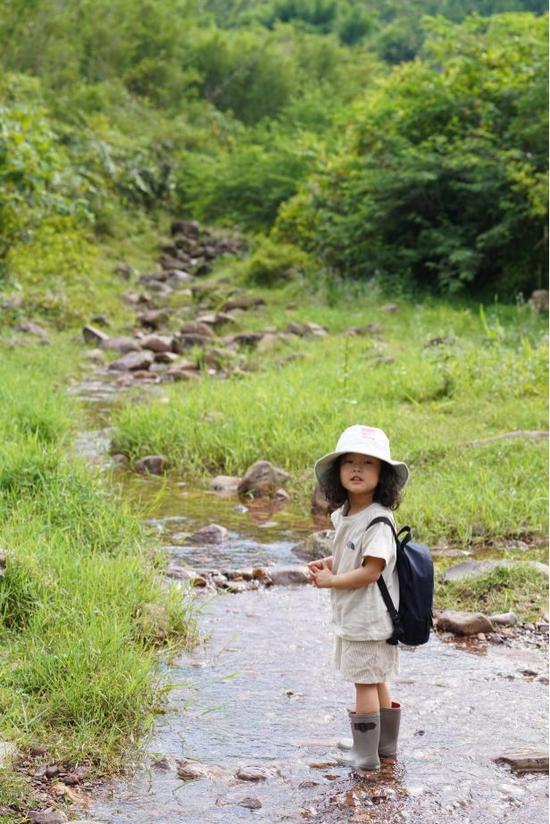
pixel 366 699
pixel 384 696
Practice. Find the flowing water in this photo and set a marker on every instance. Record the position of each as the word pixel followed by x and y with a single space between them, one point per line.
pixel 260 691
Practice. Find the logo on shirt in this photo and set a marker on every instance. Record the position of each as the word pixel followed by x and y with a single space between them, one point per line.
pixel 350 545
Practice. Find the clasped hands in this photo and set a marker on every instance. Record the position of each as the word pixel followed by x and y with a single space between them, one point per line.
pixel 321 574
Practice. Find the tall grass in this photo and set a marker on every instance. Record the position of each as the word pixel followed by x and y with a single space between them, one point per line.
pixel 83 609
pixel 434 400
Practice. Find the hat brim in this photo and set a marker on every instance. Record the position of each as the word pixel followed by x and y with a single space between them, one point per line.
pixel 324 466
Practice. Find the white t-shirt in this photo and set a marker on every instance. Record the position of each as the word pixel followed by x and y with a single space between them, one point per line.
pixel 361 614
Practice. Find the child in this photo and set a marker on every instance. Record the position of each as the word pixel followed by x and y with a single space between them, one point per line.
pixel 361 478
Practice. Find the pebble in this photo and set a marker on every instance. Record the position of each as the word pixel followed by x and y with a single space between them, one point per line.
pixel 250 803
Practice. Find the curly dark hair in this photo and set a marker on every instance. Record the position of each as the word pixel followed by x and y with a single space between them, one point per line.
pixel 387 493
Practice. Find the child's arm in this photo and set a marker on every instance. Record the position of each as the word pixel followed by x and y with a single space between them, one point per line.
pixel 362 577
pixel 316 566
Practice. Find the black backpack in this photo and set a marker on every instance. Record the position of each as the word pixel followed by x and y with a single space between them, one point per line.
pixel 413 621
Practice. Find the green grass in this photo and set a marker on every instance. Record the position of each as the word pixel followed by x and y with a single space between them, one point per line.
pixel 434 401
pixel 519 589
pixel 83 607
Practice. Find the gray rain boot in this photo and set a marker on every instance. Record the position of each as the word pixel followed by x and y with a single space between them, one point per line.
pixel 365 730
pixel 389 729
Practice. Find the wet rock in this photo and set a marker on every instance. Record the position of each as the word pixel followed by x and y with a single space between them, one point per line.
pixel 132 362
pixel 152 465
pixel 7 753
pixel 93 335
pixel 237 586
pixel 463 623
pixel 164 763
pixel 194 769
pixel 211 534
pixel 262 479
pixel 322 765
pixel 473 569
pixel 505 619
pixel 524 759
pixel 227 484
pixel 250 803
pixel 287 575
pixel 251 774
pixel 157 343
pixel 121 344
pixel 316 546
pixel 48 816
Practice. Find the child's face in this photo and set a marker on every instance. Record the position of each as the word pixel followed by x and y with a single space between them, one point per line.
pixel 359 474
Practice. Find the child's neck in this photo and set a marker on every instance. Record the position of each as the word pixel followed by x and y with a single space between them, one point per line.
pixel 358 502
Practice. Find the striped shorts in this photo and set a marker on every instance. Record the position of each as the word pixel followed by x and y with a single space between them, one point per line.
pixel 366 662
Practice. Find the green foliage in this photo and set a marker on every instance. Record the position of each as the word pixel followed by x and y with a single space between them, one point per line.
pixel 273 264
pixel 443 169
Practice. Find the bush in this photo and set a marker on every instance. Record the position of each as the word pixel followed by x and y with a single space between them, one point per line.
pixel 273 264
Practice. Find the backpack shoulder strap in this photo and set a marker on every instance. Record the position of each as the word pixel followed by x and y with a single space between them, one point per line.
pixel 381 519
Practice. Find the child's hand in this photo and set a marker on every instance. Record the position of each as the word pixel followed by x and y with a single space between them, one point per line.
pixel 323 577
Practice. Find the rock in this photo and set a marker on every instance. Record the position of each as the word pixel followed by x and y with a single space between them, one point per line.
pixel 101 320
pixel 315 329
pixel 287 575
pixel 178 373
pixel 217 319
pixel 157 343
pixel 315 546
pixel 95 356
pixel 524 759
pixel 473 569
pixel 248 338
pixel 251 774
pixel 268 342
pixel 124 270
pixel 153 318
pixel 47 817
pixel 505 619
pixel 211 534
pixel 262 479
pixel 190 339
pixel 463 623
pixel 164 763
pixel 52 771
pixel 390 308
pixel 322 765
pixel 226 484
pixel 31 328
pixel 132 361
pixel 281 495
pixel 152 465
pixel 165 357
pixel 7 753
pixel 250 803
pixel 237 586
pixel 93 335
pixel 539 300
pixel 194 769
pixel 242 302
pixel 121 344
pixel 319 502
pixel 295 328
pixel 195 327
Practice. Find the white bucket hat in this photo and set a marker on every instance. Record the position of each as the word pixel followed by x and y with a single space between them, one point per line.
pixel 366 440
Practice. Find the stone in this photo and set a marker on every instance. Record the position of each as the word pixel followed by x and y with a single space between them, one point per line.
pixel 539 300
pixel 287 575
pixel 242 302
pixel 165 357
pixel 315 546
pixel 177 373
pixel 121 344
pixel 226 484
pixel 124 270
pixel 7 753
pixel 194 769
pixel 504 619
pixel 319 502
pixel 390 308
pixel 153 318
pixel 251 774
pixel 152 465
pixel 463 623
pixel 262 479
pixel 195 327
pixel 315 329
pixel 473 569
pixel 132 361
pixel 93 335
pixel 250 803
pixel 525 759
pixel 248 338
pixel 101 320
pixel 29 327
pixel 157 343
pixel 211 534
pixel 47 817
pixel 190 339
pixel 268 342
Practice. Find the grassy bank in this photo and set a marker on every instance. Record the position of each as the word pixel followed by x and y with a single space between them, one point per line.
pixel 441 380
pixel 82 609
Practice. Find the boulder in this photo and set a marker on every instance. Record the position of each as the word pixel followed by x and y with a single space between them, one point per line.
pixel 121 344
pixel 152 465
pixel 504 619
pixel 262 479
pixel 316 546
pixel 226 484
pixel 133 361
pixel 463 623
pixel 92 334
pixel 287 575
pixel 211 534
